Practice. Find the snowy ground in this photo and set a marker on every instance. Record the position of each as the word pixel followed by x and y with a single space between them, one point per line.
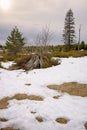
pixel 19 113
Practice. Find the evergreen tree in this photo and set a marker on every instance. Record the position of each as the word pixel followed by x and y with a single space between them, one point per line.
pixel 15 41
pixel 82 45
pixel 69 29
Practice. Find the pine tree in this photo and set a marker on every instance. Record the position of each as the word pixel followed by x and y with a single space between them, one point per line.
pixel 69 30
pixel 15 41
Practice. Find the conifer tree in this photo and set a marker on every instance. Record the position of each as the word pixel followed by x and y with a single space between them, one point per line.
pixel 15 41
pixel 69 30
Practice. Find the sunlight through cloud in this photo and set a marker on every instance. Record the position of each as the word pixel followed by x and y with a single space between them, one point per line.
pixel 5 4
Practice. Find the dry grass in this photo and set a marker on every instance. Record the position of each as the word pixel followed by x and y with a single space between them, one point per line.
pixel 25 96
pixel 39 119
pixel 8 128
pixel 4 101
pixel 28 84
pixel 73 88
pixel 37 98
pixel 3 119
pixel 62 120
pixel 85 125
pixel 56 97
pixel 33 112
pixel 69 54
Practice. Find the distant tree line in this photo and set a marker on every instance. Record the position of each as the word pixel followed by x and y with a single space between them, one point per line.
pixel 57 48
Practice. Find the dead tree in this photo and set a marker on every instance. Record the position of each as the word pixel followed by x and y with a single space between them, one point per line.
pixel 43 39
pixel 79 37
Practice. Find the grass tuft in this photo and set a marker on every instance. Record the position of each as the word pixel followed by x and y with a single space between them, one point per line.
pixel 85 125
pixel 62 120
pixel 39 119
pixel 33 112
pixel 25 96
pixel 72 88
pixel 4 103
pixel 56 97
pixel 28 84
pixel 3 119
pixel 8 128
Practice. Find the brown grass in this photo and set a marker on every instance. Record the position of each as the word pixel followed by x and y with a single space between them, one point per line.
pixel 69 54
pixel 4 101
pixel 72 88
pixel 3 119
pixel 25 96
pixel 39 119
pixel 8 128
pixel 62 120
pixel 85 125
pixel 33 112
pixel 56 97
pixel 27 84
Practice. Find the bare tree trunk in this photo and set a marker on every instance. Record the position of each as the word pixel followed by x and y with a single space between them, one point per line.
pixel 79 37
pixel 43 40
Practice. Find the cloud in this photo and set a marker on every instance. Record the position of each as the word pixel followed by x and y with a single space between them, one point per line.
pixel 31 16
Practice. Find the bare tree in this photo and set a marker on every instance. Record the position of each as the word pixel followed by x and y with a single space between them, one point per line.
pixel 79 37
pixel 43 38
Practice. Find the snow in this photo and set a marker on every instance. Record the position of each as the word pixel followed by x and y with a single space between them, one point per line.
pixel 7 64
pixel 19 113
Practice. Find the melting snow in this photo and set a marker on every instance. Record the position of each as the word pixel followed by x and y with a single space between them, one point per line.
pixel 19 113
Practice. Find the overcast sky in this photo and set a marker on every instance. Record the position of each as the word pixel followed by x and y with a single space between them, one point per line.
pixel 30 16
